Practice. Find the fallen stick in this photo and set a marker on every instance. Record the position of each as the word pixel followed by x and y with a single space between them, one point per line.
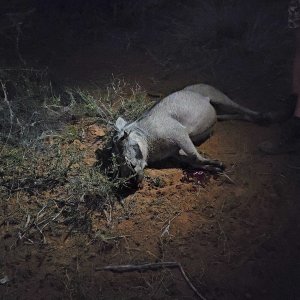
pixel 152 267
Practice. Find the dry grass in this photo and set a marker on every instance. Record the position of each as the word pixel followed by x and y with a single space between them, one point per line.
pixel 45 178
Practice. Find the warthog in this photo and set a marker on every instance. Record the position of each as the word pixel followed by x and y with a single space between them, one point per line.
pixel 174 126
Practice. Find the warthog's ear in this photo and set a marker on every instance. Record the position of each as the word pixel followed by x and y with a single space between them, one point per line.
pixel 120 123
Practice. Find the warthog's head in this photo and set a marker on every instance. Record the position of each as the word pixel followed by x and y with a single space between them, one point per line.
pixel 128 146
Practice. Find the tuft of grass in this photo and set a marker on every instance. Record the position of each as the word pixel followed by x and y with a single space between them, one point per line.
pixel 119 98
pixel 158 182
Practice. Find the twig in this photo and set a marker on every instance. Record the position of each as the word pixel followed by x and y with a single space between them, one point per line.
pixel 29 226
pixel 11 114
pixel 116 237
pixel 19 32
pixel 142 267
pixel 108 214
pixel 28 221
pixel 39 213
pixel 71 228
pixel 294 167
pixel 165 230
pixel 228 178
pixel 50 219
pixel 17 20
pixel 152 267
pixel 23 70
pixel 190 283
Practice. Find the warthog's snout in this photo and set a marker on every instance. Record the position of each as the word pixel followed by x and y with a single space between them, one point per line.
pixel 132 172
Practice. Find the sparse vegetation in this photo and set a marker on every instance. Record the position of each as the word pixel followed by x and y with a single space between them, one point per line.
pixel 43 147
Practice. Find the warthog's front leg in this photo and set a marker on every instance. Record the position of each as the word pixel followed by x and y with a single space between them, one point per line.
pixel 203 164
pixel 189 155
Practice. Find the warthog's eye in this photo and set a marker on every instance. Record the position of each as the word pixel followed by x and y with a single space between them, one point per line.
pixel 138 152
pixel 120 136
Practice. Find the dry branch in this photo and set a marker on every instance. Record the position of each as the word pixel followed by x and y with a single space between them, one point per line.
pixel 152 267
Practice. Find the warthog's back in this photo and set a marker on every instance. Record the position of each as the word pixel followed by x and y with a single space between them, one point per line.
pixel 191 110
pixel 208 91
